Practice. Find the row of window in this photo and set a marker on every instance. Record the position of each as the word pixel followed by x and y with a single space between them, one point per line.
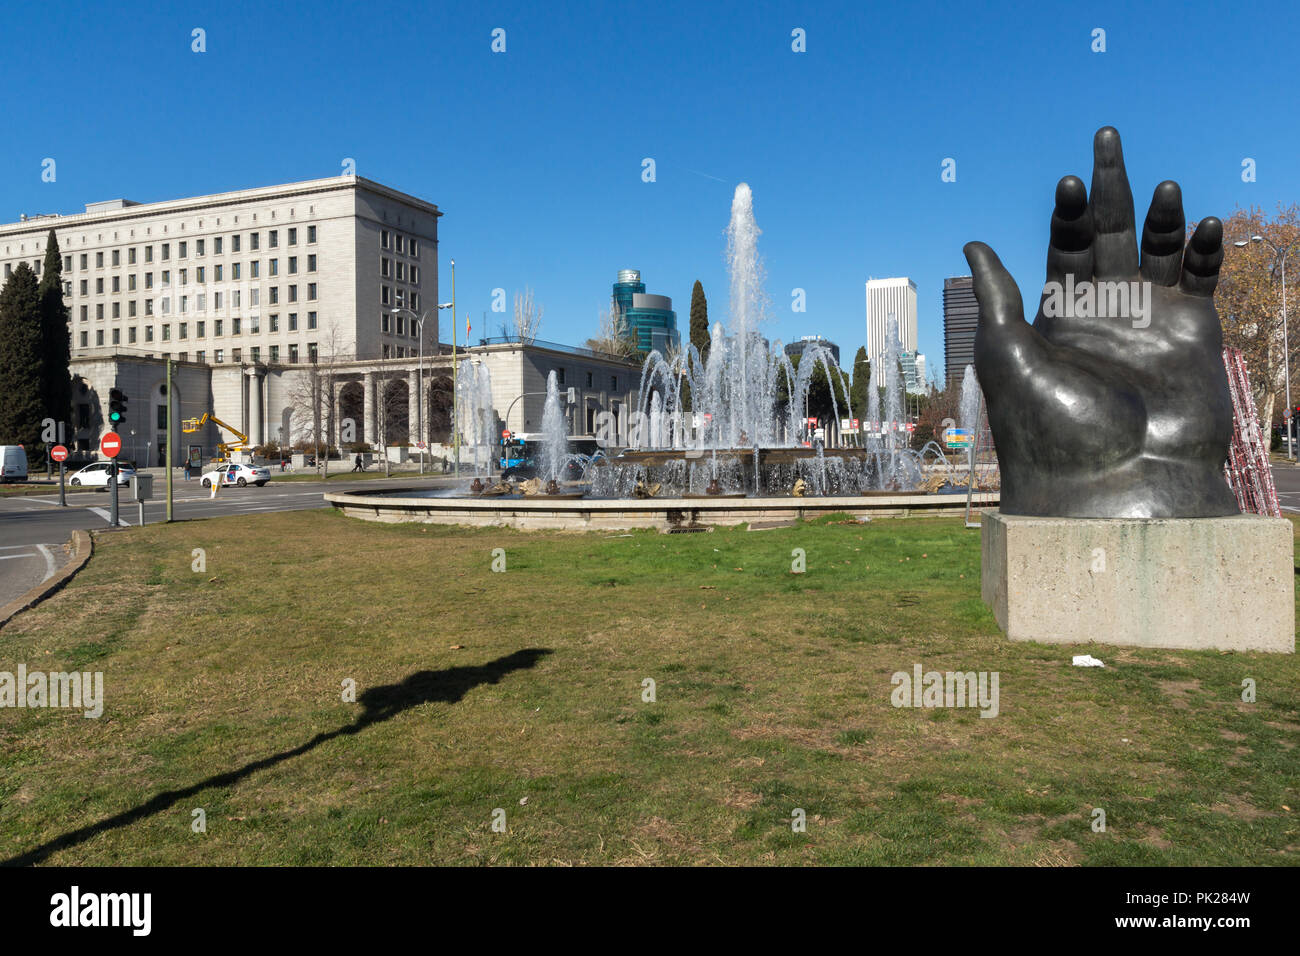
pixel 388 322
pixel 200 276
pixel 200 248
pixel 218 327
pixel 398 297
pixel 591 379
pixel 400 271
pixel 220 302
pixel 405 245
pixel 219 355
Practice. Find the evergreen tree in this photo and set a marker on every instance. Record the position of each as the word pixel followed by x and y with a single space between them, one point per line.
pixel 56 338
pixel 21 404
pixel 861 380
pixel 700 321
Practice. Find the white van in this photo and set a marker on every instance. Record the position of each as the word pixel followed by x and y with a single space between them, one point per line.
pixel 13 463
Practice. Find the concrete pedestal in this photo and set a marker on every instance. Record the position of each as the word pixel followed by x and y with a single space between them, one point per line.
pixel 1225 583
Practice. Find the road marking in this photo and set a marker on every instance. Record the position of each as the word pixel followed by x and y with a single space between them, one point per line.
pixel 103 513
pixel 50 566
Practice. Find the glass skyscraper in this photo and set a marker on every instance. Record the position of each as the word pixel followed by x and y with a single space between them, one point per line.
pixel 650 318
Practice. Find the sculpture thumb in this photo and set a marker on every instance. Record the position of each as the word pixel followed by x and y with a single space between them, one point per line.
pixel 995 290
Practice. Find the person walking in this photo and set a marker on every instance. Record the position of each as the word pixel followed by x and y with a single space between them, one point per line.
pixel 356 466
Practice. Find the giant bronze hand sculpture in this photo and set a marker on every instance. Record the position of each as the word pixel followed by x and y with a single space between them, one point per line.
pixel 1114 403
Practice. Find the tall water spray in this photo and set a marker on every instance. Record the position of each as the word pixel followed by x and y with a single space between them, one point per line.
pixel 749 378
pixel 478 419
pixel 971 399
pixel 555 434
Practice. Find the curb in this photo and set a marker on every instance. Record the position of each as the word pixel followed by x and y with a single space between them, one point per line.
pixel 82 548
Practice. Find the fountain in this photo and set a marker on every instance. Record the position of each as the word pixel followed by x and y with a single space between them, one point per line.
pixel 739 430
pixel 746 429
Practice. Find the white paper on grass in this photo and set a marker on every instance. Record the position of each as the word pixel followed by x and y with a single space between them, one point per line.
pixel 1087 660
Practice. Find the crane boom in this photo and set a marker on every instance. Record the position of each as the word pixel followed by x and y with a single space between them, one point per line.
pixel 191 425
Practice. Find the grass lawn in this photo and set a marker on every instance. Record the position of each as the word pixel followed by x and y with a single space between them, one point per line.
pixel 523 691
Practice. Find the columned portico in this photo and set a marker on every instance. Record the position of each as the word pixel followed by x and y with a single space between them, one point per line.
pixel 371 408
pixel 256 407
pixel 413 406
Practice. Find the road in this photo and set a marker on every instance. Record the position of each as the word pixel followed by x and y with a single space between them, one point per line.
pixel 34 529
pixel 1286 478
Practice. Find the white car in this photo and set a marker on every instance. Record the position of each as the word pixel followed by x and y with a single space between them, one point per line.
pixel 96 475
pixel 240 475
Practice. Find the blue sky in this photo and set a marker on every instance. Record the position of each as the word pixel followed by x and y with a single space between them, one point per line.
pixel 535 155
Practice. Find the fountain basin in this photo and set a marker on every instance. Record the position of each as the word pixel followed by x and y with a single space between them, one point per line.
pixel 623 514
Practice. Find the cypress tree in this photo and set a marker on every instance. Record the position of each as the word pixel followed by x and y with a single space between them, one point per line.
pixel 21 404
pixel 56 338
pixel 861 380
pixel 700 321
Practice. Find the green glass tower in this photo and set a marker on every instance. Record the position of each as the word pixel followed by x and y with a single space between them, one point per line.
pixel 650 317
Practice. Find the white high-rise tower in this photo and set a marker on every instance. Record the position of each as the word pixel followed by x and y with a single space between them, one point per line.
pixel 886 298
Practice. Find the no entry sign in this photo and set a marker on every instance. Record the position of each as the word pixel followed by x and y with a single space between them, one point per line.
pixel 59 453
pixel 110 444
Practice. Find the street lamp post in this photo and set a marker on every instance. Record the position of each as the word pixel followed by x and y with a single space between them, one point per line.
pixel 1280 256
pixel 455 390
pixel 419 380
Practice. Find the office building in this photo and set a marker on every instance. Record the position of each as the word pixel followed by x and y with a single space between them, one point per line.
pixel 960 318
pixel 797 348
pixel 276 275
pixel 886 299
pixel 650 318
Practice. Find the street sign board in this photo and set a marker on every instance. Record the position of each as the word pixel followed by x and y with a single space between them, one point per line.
pixel 59 453
pixel 110 444
pixel 959 437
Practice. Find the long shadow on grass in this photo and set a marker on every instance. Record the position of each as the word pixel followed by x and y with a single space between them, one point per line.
pixel 379 703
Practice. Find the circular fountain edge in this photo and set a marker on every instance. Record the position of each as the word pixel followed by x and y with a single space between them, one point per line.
pixel 622 514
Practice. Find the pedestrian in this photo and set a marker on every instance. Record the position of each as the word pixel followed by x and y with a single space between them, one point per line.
pixel 187 469
pixel 357 464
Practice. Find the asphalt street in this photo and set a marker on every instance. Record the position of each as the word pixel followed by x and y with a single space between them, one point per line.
pixel 34 529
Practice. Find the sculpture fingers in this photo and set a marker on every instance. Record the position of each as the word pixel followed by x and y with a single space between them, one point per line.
pixel 1163 235
pixel 1114 248
pixel 1069 252
pixel 1202 258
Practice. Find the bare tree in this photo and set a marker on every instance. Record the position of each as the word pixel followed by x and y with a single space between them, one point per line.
pixel 528 317
pixel 312 399
pixel 1249 300
pixel 616 336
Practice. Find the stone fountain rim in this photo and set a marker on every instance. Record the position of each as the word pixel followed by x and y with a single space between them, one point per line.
pixel 394 500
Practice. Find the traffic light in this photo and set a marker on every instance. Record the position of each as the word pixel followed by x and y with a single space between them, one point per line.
pixel 116 407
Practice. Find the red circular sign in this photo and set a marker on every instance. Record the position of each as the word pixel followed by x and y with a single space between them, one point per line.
pixel 505 433
pixel 110 444
pixel 59 453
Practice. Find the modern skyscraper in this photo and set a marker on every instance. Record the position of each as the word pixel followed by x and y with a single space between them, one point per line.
pixel 650 317
pixel 798 348
pixel 913 372
pixel 886 298
pixel 960 317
